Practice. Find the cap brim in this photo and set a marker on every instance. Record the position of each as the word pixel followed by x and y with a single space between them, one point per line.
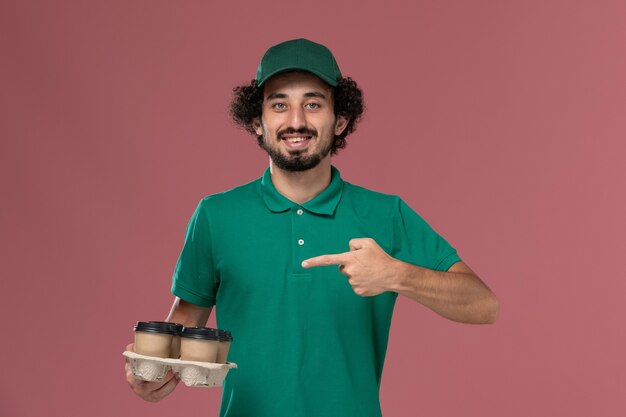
pixel 328 80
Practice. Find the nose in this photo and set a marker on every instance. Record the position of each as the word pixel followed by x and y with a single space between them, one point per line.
pixel 297 117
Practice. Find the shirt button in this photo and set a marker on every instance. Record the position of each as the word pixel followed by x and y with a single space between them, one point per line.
pixel 300 242
pixel 299 212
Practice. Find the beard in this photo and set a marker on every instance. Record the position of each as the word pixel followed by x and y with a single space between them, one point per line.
pixel 295 161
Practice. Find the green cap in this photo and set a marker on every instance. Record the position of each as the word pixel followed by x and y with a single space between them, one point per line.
pixel 299 54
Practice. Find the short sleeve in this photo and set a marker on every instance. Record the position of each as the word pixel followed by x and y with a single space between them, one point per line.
pixel 194 277
pixel 417 243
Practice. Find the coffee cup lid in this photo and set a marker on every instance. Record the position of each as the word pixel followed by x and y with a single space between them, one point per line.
pixel 155 327
pixel 205 333
pixel 177 327
pixel 224 335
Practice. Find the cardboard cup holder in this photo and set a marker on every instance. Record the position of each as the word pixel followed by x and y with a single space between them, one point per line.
pixel 193 374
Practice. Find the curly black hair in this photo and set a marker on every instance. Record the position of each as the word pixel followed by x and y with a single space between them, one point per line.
pixel 348 102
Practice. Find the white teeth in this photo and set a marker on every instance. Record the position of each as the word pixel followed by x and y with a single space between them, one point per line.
pixel 295 140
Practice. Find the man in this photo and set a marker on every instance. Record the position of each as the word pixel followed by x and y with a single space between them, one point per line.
pixel 304 268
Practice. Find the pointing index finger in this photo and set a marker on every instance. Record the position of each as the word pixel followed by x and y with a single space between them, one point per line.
pixel 326 260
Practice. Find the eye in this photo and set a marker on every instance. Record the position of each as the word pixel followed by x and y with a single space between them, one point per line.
pixel 312 106
pixel 279 106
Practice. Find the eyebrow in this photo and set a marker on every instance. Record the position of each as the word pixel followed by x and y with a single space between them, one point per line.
pixel 307 95
pixel 315 94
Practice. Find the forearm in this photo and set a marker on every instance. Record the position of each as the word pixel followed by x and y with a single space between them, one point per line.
pixel 187 314
pixel 459 296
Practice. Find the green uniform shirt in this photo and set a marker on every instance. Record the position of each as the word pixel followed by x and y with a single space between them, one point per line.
pixel 304 342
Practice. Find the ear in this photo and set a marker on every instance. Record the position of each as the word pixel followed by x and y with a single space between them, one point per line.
pixel 256 125
pixel 341 124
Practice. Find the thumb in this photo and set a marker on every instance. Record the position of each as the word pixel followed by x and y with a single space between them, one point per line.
pixel 358 243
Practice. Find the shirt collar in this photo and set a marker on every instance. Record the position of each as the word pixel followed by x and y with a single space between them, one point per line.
pixel 324 203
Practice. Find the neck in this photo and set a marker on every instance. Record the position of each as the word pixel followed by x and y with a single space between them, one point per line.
pixel 302 186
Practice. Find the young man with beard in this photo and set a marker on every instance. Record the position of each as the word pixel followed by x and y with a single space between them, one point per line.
pixel 303 267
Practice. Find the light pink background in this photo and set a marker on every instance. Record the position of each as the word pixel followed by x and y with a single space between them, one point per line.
pixel 503 123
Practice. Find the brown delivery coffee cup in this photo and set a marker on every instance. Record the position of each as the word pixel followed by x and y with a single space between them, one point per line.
pixel 175 348
pixel 199 344
pixel 153 339
pixel 224 338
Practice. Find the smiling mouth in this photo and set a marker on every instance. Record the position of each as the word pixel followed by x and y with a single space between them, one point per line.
pixel 296 142
pixel 297 139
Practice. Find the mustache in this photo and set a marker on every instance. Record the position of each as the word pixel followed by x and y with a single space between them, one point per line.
pixel 301 131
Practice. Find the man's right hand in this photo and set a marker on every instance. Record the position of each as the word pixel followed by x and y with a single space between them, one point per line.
pixel 152 391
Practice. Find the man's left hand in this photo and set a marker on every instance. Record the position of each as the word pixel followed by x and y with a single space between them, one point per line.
pixel 370 270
